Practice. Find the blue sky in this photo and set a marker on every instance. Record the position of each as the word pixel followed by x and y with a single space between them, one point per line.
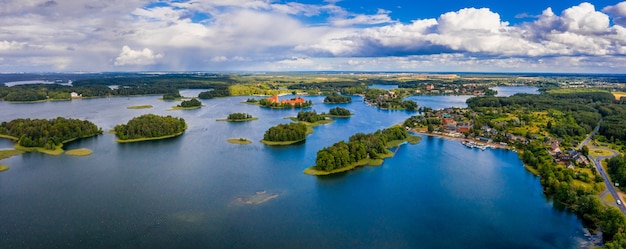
pixel 348 35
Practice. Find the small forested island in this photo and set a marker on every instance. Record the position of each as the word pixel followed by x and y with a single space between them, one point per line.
pixel 389 100
pixel 338 112
pixel 238 117
pixel 361 149
pixel 285 134
pixel 312 118
pixel 191 104
pixel 47 136
pixel 335 98
pixel 149 127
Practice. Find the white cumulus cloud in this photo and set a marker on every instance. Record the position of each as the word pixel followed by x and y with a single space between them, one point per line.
pixel 129 56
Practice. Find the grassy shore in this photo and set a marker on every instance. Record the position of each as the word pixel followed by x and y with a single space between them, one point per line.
pixel 12 138
pixel 237 120
pixel 9 153
pixel 58 150
pixel 139 107
pixel 239 141
pixel 147 138
pixel 3 167
pixel 78 152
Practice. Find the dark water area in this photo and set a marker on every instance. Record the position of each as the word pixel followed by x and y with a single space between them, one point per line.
pixel 199 191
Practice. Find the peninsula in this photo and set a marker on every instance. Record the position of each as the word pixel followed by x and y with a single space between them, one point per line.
pixel 361 149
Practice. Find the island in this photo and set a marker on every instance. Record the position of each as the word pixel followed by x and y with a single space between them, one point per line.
pixel 361 149
pixel 172 96
pixel 149 127
pixel 311 118
pixel 276 102
pixel 285 134
pixel 191 104
pixel 239 141
pixel 338 112
pixel 79 152
pixel 47 136
pixel 335 98
pixel 238 117
pixel 3 167
pixel 139 107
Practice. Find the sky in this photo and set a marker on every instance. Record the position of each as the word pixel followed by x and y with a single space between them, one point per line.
pixel 313 35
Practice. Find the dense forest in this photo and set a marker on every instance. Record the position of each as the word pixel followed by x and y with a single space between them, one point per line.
pixel 360 146
pixel 193 102
pixel 150 126
pixel 338 111
pixel 48 134
pixel 286 132
pixel 221 91
pixel 335 98
pixel 617 169
pixel 239 116
pixel 309 116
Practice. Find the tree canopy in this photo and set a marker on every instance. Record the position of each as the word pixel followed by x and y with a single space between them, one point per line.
pixel 286 132
pixel 48 133
pixel 150 126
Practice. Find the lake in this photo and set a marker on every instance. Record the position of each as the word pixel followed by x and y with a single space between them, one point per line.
pixel 199 191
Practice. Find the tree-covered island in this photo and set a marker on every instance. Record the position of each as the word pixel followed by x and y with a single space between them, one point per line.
pixel 335 98
pixel 149 127
pixel 276 102
pixel 191 104
pixel 286 134
pixel 338 112
pixel 361 149
pixel 238 117
pixel 47 135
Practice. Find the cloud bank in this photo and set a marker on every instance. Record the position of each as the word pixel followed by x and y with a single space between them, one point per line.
pixel 216 35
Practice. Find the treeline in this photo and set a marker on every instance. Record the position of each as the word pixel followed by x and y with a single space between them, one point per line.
pixel 338 111
pixel 239 116
pixel 613 126
pixel 150 126
pixel 190 103
pixel 48 133
pixel 220 91
pixel 335 98
pixel 309 116
pixel 360 146
pixel 617 169
pixel 559 183
pixel 286 132
pixel 124 86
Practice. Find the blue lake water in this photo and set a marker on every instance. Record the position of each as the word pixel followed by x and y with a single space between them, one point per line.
pixel 187 192
pixel 505 91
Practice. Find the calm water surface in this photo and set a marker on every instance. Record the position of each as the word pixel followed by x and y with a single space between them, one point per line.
pixel 187 192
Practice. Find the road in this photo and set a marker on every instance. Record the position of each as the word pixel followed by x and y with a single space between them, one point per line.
pixel 597 163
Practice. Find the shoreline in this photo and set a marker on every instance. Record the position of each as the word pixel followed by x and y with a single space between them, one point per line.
pixel 492 145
